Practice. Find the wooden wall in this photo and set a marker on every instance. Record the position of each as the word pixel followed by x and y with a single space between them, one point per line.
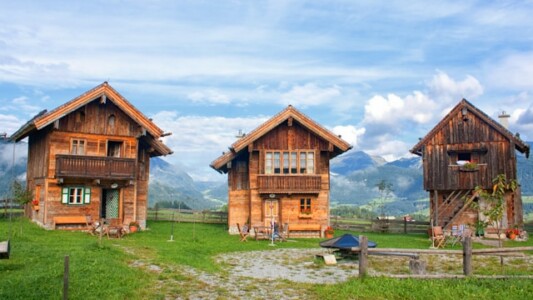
pixel 92 124
pixel 247 204
pixel 94 118
pixel 490 150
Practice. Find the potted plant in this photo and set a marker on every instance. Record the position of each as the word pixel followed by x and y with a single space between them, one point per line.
pixel 512 233
pixel 329 232
pixel 306 213
pixel 480 227
pixel 35 204
pixel 134 226
pixel 470 166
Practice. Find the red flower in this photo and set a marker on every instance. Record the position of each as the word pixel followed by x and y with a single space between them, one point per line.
pixel 35 202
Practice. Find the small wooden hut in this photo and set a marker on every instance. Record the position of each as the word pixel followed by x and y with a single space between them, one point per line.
pixel 466 149
pixel 279 173
pixel 90 159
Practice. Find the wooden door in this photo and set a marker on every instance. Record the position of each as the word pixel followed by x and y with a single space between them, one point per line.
pixel 271 211
pixel 110 204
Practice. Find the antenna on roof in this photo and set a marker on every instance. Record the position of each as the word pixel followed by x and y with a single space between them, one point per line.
pixel 240 134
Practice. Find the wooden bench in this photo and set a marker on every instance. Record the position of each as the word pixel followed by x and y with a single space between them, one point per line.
pixel 72 220
pixel 305 227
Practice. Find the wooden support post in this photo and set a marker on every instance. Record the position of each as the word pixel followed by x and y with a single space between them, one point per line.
pixel 65 278
pixel 363 255
pixel 467 256
pixel 404 225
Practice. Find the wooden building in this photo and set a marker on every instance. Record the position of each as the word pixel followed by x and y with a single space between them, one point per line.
pixel 467 149
pixel 280 172
pixel 90 157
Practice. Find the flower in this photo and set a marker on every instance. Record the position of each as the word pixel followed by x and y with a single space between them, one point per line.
pixel 35 202
pixel 512 231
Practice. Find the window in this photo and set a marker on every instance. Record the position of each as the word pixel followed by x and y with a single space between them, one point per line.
pixel 111 121
pixel 290 162
pixel 76 195
pixel 305 206
pixel 303 162
pixel 277 169
pixel 77 147
pixel 286 162
pixel 113 149
pixel 268 163
pixel 294 162
pixel 464 156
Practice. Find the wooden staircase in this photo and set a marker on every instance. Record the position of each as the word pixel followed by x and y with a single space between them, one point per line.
pixel 457 202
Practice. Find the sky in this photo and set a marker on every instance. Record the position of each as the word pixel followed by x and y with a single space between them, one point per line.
pixel 379 73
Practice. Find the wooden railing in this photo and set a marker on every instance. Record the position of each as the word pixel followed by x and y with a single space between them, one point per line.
pixel 288 183
pixel 95 167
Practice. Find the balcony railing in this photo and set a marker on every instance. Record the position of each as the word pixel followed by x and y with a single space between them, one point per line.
pixel 288 183
pixel 98 167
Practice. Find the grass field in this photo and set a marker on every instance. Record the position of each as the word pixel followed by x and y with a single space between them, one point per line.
pixel 105 271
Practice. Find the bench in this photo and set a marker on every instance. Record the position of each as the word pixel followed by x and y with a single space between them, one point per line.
pixel 306 227
pixel 72 220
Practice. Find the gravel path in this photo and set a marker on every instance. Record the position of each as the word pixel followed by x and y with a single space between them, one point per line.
pixel 285 273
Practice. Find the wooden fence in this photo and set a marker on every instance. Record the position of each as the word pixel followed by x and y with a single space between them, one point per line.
pixel 419 272
pixel 186 215
pixel 375 225
pixel 10 208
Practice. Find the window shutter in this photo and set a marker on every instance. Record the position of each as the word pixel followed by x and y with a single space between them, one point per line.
pixel 87 195
pixel 64 195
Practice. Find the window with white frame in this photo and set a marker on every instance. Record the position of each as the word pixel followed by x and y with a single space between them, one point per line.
pixel 76 195
pixel 289 162
pixel 77 147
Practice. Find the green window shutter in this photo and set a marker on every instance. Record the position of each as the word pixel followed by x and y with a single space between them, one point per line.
pixel 64 195
pixel 87 195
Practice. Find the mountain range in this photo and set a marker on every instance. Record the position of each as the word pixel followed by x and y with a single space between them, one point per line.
pixel 354 179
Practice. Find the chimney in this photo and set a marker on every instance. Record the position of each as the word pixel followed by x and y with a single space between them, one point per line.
pixel 504 119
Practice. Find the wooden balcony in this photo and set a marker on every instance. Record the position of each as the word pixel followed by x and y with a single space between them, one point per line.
pixel 98 167
pixel 268 184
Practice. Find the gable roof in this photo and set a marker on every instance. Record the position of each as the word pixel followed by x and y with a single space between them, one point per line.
pixel 289 112
pixel 519 144
pixel 105 92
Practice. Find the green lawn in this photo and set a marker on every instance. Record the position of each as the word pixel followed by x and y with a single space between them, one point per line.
pixel 104 271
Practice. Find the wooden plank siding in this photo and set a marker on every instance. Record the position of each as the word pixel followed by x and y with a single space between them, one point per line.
pixel 114 142
pixel 468 132
pixel 251 189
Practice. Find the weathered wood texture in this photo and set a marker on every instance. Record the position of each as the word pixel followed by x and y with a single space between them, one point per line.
pixel 96 143
pixel 251 190
pixel 468 134
pixel 493 153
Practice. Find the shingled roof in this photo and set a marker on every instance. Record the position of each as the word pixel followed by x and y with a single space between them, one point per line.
pixel 102 91
pixel 515 139
pixel 289 112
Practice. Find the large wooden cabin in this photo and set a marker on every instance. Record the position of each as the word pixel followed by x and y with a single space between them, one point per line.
pixel 90 157
pixel 280 172
pixel 467 149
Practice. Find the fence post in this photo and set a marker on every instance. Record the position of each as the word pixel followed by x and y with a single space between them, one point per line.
pixel 467 256
pixel 405 225
pixel 363 255
pixel 65 278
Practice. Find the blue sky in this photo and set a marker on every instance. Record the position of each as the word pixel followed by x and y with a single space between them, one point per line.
pixel 380 73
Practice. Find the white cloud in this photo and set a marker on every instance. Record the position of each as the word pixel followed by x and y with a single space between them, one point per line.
pixel 512 71
pixel 9 124
pixel 309 95
pixel 349 133
pixel 447 89
pixel 211 96
pixel 198 140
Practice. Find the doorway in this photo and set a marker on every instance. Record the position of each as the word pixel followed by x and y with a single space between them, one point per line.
pixel 271 212
pixel 110 204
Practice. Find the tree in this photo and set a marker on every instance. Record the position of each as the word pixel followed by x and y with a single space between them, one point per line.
pixel 20 194
pixel 494 208
pixel 385 192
